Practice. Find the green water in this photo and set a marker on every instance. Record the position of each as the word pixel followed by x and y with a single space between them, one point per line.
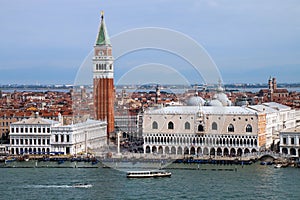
pixel 209 182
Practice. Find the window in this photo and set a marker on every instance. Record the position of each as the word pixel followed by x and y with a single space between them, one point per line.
pixel 187 126
pixel 154 125
pixel 200 128
pixel 284 141
pixel 62 138
pixel 230 128
pixel 292 140
pixel 68 138
pixel 56 138
pixel 214 126
pixel 170 125
pixel 249 128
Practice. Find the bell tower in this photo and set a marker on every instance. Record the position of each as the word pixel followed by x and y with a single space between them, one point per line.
pixel 103 78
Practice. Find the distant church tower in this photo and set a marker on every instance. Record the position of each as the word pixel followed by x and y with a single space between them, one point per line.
pixel 103 78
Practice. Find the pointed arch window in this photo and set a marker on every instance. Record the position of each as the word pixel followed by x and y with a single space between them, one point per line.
pixel 214 126
pixel 187 126
pixel 230 128
pixel 249 128
pixel 170 125
pixel 154 125
pixel 200 128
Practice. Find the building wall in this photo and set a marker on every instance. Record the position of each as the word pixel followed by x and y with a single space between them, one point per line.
pixel 45 138
pixel 261 132
pixel 104 101
pixel 5 124
pixel 30 138
pixel 290 142
pixel 85 137
pixel 217 140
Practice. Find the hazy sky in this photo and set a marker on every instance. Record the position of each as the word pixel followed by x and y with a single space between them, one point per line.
pixel 45 41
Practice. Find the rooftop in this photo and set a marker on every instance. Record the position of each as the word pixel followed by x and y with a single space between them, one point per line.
pixel 262 108
pixel 277 106
pixel 291 130
pixel 204 109
pixel 36 120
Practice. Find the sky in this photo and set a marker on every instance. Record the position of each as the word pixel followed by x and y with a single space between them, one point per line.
pixel 46 41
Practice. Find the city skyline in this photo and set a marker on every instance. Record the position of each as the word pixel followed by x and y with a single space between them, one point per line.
pixel 46 42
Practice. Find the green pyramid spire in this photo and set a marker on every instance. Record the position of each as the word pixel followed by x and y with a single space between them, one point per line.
pixel 102 38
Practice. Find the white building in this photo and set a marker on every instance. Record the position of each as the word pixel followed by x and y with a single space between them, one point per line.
pixel 278 118
pixel 203 130
pixel 42 136
pixel 290 141
pixel 79 138
pixel 31 136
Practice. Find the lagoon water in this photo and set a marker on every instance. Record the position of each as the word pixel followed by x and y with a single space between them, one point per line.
pixel 209 182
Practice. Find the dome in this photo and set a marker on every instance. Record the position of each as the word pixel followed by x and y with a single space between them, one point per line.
pixel 222 98
pixel 195 101
pixel 215 102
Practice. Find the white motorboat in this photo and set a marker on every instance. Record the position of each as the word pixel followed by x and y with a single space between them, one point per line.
pixel 278 166
pixel 148 174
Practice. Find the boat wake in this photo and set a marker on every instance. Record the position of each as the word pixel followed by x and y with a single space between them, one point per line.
pixel 61 186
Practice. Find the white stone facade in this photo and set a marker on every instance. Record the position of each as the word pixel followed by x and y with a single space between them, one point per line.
pixel 278 118
pixel 79 138
pixel 41 136
pixel 31 136
pixel 290 142
pixel 204 130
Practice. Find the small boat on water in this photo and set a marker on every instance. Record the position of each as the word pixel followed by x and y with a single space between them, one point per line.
pixel 278 165
pixel 148 174
pixel 9 160
pixel 82 185
pixel 266 163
